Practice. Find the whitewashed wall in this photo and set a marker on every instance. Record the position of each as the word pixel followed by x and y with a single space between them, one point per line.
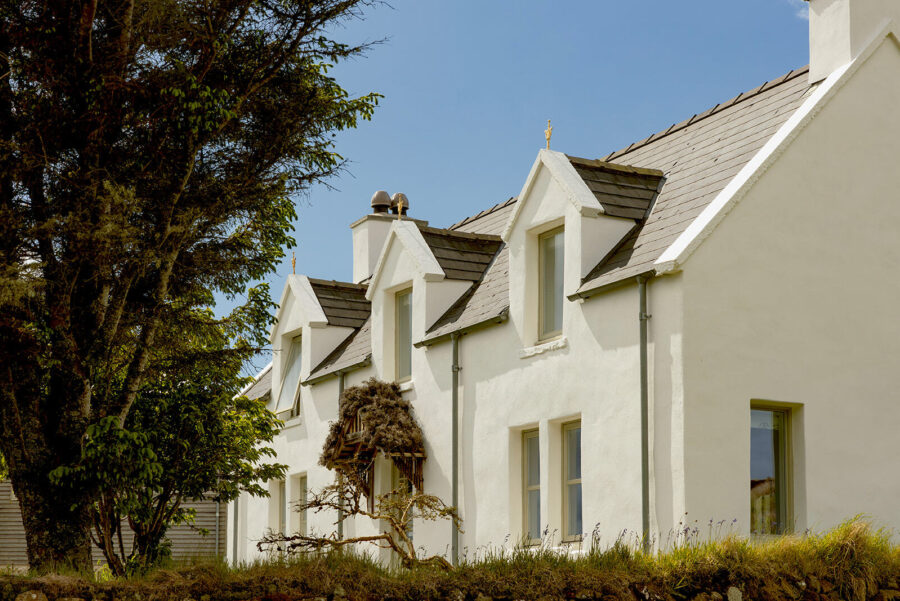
pixel 792 299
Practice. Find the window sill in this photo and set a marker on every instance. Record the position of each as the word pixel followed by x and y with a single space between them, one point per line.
pixel 407 385
pixel 544 347
pixel 292 422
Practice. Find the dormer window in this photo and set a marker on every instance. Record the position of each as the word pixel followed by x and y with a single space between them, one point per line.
pixel 550 283
pixel 403 334
pixel 289 397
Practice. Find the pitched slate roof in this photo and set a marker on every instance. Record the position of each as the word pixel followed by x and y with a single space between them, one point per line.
pixel 462 255
pixel 622 191
pixel 699 157
pixel 487 300
pixel 355 351
pixel 344 304
pixel 262 386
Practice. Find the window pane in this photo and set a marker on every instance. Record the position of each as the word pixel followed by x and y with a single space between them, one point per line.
pixel 573 510
pixel 533 461
pixel 404 335
pixel 282 507
pixel 573 453
pixel 290 381
pixel 551 249
pixel 767 442
pixel 534 514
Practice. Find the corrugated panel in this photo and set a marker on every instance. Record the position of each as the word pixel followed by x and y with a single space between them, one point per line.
pixel 187 542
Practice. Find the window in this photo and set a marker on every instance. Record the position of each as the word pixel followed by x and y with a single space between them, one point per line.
pixel 298 497
pixel 289 395
pixel 572 481
pixel 400 484
pixel 403 340
pixel 770 502
pixel 280 525
pixel 550 282
pixel 531 480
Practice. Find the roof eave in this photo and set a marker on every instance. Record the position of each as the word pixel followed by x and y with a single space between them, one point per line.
pixel 500 318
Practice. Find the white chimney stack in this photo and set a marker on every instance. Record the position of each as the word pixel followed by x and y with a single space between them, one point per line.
pixel 840 29
pixel 369 236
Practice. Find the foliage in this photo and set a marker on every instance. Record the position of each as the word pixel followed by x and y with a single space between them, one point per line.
pixel 384 423
pixel 149 151
pixel 3 468
pixel 396 509
pixel 785 569
pixel 188 437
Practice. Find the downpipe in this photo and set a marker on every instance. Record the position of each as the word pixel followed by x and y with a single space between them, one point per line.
pixel 643 317
pixel 454 385
pixel 340 524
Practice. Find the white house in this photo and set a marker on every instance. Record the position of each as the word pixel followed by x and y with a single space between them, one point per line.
pixel 697 327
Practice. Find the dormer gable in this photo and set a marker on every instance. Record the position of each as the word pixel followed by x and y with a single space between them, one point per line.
pixel 595 205
pixel 313 319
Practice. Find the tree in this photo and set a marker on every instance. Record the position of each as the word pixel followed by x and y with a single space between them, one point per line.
pixel 149 150
pixel 374 419
pixel 188 437
pixel 396 509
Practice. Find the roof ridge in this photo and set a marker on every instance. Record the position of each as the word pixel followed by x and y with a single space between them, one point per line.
pixel 448 232
pixel 484 213
pixel 789 76
pixel 336 283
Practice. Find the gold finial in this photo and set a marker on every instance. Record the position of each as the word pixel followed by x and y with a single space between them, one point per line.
pixel 294 263
pixel 548 133
pixel 400 209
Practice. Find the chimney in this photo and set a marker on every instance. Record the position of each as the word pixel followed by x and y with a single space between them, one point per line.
pixel 369 235
pixel 399 204
pixel 840 29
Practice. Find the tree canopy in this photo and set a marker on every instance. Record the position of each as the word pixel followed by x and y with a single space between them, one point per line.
pixel 149 153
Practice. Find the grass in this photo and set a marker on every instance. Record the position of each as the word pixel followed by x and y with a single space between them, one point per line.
pixel 853 561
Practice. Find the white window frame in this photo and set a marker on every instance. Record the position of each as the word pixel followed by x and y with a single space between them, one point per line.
pixel 406 292
pixel 543 334
pixel 299 494
pixel 526 488
pixel 786 465
pixel 569 536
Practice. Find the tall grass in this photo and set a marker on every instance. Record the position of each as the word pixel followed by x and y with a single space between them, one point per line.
pixel 852 561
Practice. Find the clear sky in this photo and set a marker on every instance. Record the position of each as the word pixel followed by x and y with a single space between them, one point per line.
pixel 469 85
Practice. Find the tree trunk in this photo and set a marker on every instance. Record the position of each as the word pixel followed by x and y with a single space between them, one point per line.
pixel 57 530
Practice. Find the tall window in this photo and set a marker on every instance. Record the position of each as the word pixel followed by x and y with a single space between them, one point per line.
pixel 531 480
pixel 298 497
pixel 281 510
pixel 770 502
pixel 572 480
pixel 289 397
pixel 403 341
pixel 550 281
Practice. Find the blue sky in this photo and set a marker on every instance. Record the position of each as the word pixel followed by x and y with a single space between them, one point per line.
pixel 469 85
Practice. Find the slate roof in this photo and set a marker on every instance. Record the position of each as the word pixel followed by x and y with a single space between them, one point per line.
pixel 621 190
pixel 262 386
pixel 487 300
pixel 344 304
pixel 694 160
pixel 699 157
pixel 462 255
pixel 355 351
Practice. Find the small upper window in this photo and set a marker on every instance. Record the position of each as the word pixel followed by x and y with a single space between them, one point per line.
pixel 770 502
pixel 403 340
pixel 550 282
pixel 289 396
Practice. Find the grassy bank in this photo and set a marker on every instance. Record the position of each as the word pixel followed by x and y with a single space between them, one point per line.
pixel 851 562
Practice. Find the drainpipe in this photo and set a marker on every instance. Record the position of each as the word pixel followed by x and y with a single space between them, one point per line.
pixel 454 386
pixel 340 529
pixel 643 316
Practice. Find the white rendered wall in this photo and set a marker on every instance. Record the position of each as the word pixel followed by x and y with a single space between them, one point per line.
pixel 792 299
